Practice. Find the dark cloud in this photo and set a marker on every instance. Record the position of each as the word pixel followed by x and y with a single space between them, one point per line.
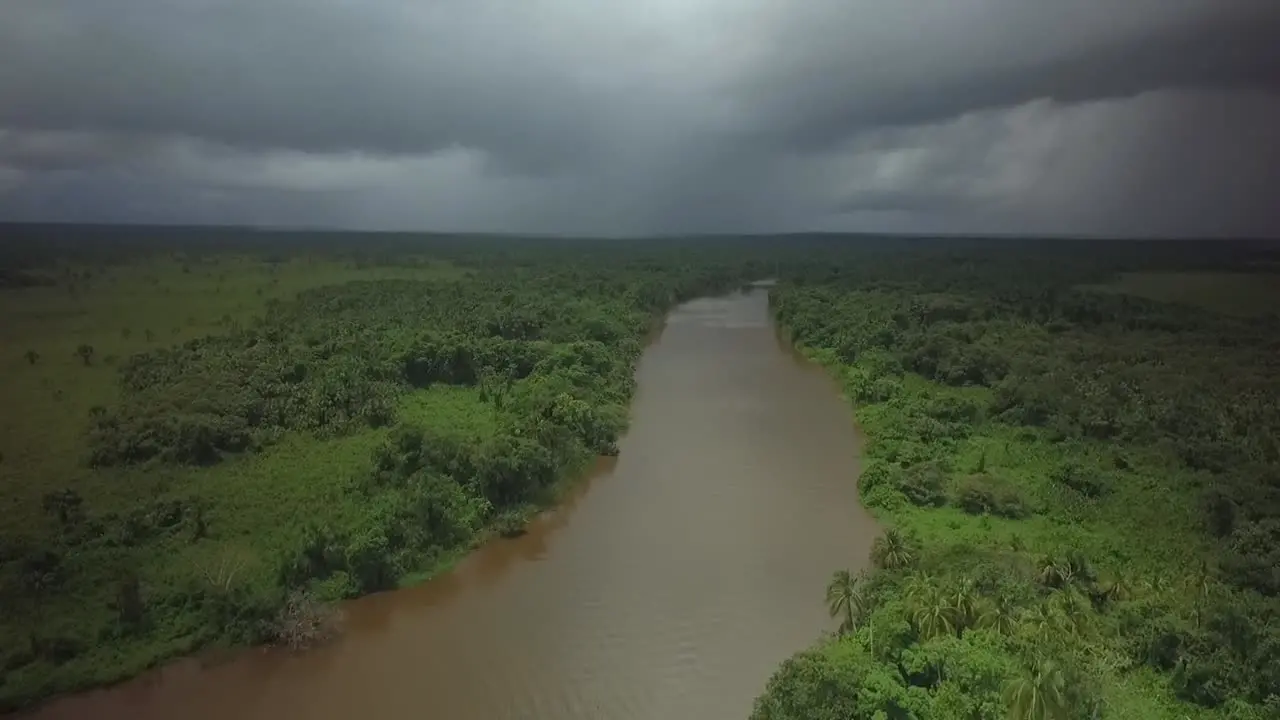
pixel 900 202
pixel 311 75
pixel 831 76
pixel 666 116
pixel 42 151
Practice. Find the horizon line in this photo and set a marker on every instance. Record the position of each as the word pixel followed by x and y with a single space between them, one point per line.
pixel 330 230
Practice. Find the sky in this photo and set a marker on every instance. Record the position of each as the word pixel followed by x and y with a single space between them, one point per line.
pixel 1114 117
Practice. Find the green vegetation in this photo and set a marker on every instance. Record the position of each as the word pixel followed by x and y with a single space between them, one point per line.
pixel 1083 488
pixel 211 436
pixel 212 448
pixel 1234 293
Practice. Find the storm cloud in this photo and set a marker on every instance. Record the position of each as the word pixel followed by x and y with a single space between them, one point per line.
pixel 1143 117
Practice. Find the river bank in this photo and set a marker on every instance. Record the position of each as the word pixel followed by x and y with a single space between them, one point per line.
pixel 665 584
pixel 1039 542
pixel 171 497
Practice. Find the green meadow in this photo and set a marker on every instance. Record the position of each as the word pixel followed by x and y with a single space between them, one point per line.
pixel 1252 293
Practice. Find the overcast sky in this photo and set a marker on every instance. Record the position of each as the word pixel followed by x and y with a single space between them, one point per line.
pixel 653 116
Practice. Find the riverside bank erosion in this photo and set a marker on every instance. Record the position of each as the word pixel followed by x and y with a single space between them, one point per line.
pixel 669 584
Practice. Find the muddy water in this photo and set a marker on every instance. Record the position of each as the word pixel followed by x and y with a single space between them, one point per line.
pixel 669 587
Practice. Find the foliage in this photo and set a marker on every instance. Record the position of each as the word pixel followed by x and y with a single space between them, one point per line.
pixel 846 601
pixel 1091 480
pixel 1081 487
pixel 832 682
pixel 286 432
pixel 303 622
pixel 978 494
pixel 894 550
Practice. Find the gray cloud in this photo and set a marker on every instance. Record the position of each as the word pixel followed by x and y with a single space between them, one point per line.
pixel 667 116
pixel 1166 162
pixel 311 75
pixel 829 76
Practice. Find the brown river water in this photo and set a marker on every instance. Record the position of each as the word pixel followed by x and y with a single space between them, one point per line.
pixel 669 586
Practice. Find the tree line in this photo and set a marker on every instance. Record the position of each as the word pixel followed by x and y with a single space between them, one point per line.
pixel 1082 491
pixel 540 348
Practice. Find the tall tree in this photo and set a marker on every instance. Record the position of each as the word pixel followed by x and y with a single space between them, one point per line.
pixel 931 608
pixel 1039 693
pixel 1000 614
pixel 893 550
pixel 845 600
pixel 65 505
pixel 1201 585
pixel 965 607
pixel 1074 610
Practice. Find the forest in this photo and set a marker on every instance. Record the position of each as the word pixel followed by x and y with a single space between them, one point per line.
pixel 211 437
pixel 1081 485
pixel 211 447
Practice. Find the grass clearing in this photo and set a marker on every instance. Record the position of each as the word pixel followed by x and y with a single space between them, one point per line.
pixel 1230 293
pixel 121 310
pixel 449 410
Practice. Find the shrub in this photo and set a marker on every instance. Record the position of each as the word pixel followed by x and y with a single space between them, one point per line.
pixel 885 389
pixel 883 496
pixel 921 484
pixel 65 505
pixel 953 409
pixel 981 494
pixel 39 570
pixel 1221 513
pixel 1253 557
pixel 191 438
pixel 441 512
pixel 1087 481
pixel 857 384
pixel 369 561
pixel 924 484
pixel 304 622
pixel 513 522
pixel 832 682
pixel 875 474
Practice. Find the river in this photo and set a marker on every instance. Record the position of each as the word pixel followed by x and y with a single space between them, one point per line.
pixel 669 586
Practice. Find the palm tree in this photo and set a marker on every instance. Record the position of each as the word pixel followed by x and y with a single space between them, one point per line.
pixel 1000 614
pixel 1075 610
pixel 31 356
pixel 1201 585
pixel 1054 573
pixel 964 606
pixel 893 550
pixel 845 601
pixel 1046 622
pixel 65 505
pixel 1113 587
pixel 930 609
pixel 85 352
pixel 1122 585
pixel 1157 584
pixel 1081 569
pixel 1040 693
